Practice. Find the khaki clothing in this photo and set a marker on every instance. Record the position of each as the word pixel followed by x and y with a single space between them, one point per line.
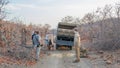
pixel 77 50
pixel 77 45
pixel 77 39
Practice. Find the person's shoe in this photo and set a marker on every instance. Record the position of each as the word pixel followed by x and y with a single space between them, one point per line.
pixel 76 61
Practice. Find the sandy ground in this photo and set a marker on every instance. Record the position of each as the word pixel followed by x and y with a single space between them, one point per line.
pixel 65 58
pixel 62 59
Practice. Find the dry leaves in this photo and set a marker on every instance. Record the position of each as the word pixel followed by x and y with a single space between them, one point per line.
pixel 109 59
pixel 9 60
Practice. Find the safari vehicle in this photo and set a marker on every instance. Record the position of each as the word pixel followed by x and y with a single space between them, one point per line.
pixel 65 35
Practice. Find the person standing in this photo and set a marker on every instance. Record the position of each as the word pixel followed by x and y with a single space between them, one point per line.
pixel 50 44
pixel 36 39
pixel 77 45
pixel 47 40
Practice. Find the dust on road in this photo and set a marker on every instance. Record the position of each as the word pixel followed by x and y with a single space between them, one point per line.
pixel 61 59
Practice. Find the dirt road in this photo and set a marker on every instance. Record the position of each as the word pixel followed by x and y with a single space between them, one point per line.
pixel 61 59
pixel 64 59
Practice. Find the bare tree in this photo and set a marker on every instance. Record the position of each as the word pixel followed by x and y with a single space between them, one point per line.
pixel 2 16
pixel 117 11
pixel 102 15
pixel 23 36
pixel 89 17
pixel 67 19
pixel 77 21
pixel 3 3
pixel 46 28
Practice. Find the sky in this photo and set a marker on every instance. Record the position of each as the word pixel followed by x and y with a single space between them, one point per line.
pixel 52 11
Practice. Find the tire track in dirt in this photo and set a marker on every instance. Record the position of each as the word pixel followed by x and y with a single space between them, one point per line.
pixel 62 59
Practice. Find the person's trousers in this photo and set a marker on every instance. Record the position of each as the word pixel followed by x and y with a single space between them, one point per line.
pixel 77 49
pixel 38 52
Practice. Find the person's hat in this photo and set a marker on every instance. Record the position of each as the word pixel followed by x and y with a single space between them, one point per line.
pixel 76 29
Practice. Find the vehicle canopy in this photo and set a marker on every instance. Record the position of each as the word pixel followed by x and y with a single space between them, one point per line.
pixel 66 29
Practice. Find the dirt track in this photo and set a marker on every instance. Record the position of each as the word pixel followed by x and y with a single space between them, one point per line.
pixel 62 59
pixel 65 58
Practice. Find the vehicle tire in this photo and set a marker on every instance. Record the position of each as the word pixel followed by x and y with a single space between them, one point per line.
pixel 70 47
pixel 56 46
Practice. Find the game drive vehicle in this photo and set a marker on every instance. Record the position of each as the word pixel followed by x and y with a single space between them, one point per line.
pixel 65 35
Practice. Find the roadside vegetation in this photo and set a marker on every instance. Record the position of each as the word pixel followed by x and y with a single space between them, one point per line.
pixel 101 29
